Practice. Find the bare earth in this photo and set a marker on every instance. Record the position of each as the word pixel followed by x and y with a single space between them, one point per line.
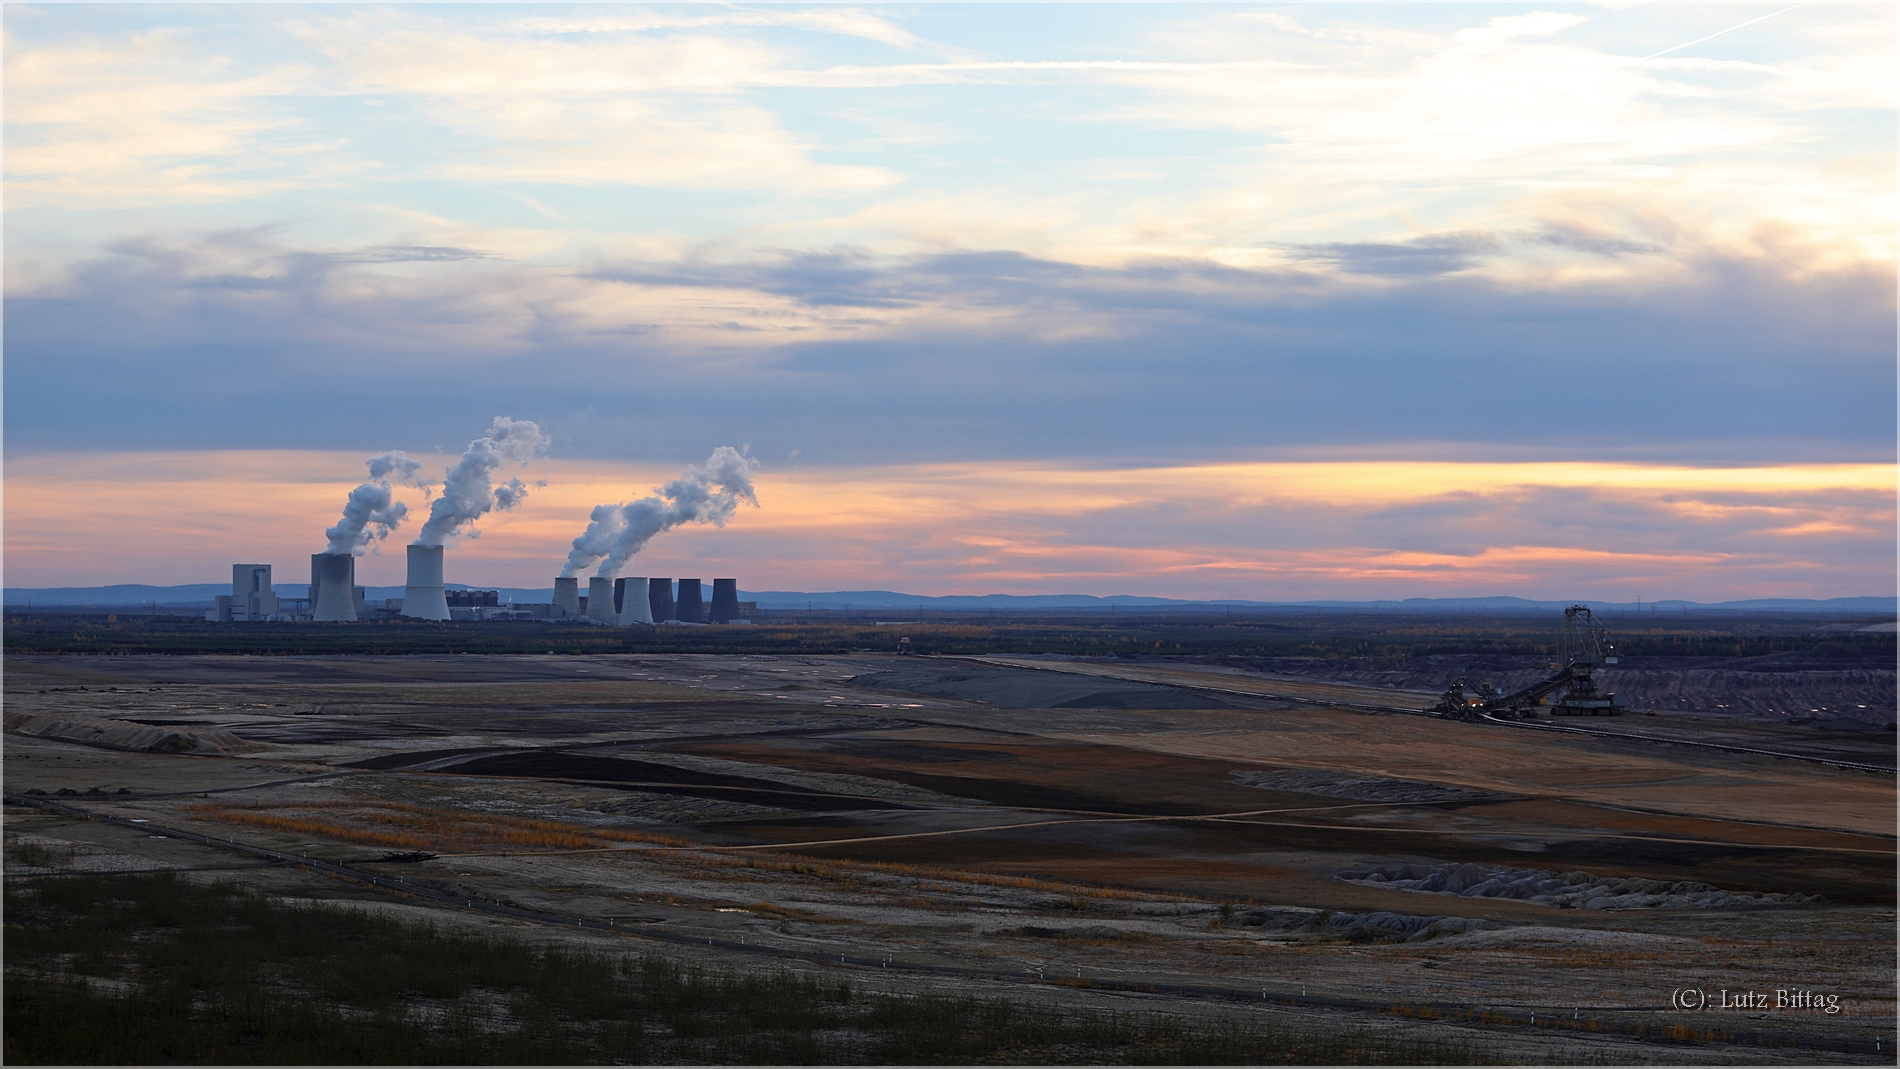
pixel 1029 823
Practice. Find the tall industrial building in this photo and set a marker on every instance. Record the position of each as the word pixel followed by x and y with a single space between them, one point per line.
pixel 423 597
pixel 725 601
pixel 251 596
pixel 567 595
pixel 691 610
pixel 333 595
pixel 600 599
pixel 660 599
pixel 631 605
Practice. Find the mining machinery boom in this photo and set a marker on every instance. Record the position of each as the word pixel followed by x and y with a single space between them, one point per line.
pixel 1570 689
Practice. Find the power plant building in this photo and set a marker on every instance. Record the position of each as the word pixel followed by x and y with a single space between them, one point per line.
pixel 660 599
pixel 690 609
pixel 725 601
pixel 251 596
pixel 631 605
pixel 334 597
pixel 422 597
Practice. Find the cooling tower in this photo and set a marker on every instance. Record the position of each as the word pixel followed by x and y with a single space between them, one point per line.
pixel 567 595
pixel 660 599
pixel 630 602
pixel 423 597
pixel 600 599
pixel 334 575
pixel 725 602
pixel 690 608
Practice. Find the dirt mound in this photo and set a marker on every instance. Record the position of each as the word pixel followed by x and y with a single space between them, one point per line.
pixel 1837 693
pixel 1011 688
pixel 1328 784
pixel 1358 927
pixel 1086 931
pixel 125 735
pixel 1569 890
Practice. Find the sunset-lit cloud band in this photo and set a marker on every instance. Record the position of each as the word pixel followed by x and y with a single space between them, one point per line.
pixel 1282 531
pixel 1247 300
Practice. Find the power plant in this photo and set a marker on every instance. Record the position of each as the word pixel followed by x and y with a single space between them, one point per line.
pixel 333 590
pixel 470 491
pixel 422 595
pixel 567 595
pixel 334 597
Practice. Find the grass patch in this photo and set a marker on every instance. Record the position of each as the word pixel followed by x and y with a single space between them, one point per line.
pixel 156 969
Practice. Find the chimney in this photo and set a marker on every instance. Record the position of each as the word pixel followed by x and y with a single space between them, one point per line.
pixel 630 603
pixel 725 602
pixel 660 599
pixel 567 595
pixel 423 597
pixel 333 577
pixel 600 599
pixel 690 610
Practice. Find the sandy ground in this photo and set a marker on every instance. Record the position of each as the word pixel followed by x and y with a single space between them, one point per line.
pixel 996 836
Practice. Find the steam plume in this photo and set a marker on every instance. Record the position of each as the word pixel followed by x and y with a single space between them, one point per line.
pixel 371 513
pixel 700 495
pixel 468 492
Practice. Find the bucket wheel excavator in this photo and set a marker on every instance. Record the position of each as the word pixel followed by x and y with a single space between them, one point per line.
pixel 1570 689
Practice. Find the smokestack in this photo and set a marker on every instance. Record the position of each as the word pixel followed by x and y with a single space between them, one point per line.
pixel 630 602
pixel 660 599
pixel 333 577
pixel 423 597
pixel 468 489
pixel 700 495
pixel 725 602
pixel 689 604
pixel 600 600
pixel 567 595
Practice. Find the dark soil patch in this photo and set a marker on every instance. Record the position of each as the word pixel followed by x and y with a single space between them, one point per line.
pixel 1011 688
pixel 668 779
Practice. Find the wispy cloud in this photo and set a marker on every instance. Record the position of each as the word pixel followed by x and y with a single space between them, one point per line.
pixel 969 234
pixel 1281 530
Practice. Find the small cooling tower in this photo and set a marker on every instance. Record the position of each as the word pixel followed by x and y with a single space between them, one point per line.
pixel 334 576
pixel 725 602
pixel 423 597
pixel 600 599
pixel 691 610
pixel 630 602
pixel 660 599
pixel 567 595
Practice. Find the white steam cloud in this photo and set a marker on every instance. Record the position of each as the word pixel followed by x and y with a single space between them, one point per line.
pixel 700 495
pixel 372 513
pixel 468 490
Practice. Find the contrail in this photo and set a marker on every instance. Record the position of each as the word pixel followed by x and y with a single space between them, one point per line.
pixel 1719 33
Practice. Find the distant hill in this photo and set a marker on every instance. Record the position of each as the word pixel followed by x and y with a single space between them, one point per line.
pixel 199 595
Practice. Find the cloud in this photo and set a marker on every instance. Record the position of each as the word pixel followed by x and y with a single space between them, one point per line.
pixel 839 20
pixel 1381 528
pixel 152 118
pixel 842 352
pixel 622 108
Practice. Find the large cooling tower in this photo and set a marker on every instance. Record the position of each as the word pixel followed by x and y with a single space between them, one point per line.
pixel 630 602
pixel 690 609
pixel 660 599
pixel 600 599
pixel 423 597
pixel 567 595
pixel 725 602
pixel 334 576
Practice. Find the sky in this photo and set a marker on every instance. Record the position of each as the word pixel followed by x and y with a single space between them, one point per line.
pixel 1272 302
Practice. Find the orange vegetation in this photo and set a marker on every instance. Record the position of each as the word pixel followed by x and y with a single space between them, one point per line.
pixel 398 825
